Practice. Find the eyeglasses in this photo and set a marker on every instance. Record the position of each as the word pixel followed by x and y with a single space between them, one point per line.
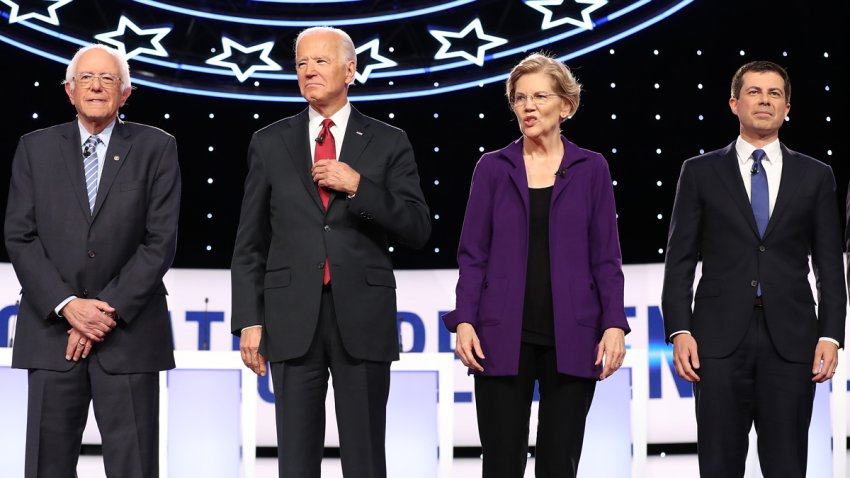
pixel 539 99
pixel 106 80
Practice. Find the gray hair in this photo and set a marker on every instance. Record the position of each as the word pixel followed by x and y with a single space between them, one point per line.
pixel 120 58
pixel 346 44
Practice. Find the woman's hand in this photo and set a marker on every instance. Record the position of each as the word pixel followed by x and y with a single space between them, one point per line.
pixel 467 346
pixel 613 348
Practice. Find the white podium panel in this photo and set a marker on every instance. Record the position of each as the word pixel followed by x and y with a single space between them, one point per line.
pixel 13 416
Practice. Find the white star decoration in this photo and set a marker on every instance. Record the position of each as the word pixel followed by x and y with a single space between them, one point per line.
pixel 478 58
pixel 52 18
pixel 382 61
pixel 157 33
pixel 585 22
pixel 229 45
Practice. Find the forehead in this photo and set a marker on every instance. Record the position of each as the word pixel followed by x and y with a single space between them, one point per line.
pixel 97 61
pixel 533 82
pixel 318 44
pixel 763 79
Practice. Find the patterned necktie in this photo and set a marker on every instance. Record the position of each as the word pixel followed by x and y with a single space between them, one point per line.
pixel 760 199
pixel 90 165
pixel 325 149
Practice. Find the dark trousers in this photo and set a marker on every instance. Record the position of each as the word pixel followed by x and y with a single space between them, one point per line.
pixel 361 389
pixel 126 407
pixel 504 406
pixel 754 385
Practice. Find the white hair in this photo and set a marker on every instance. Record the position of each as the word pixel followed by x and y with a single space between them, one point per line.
pixel 346 44
pixel 120 58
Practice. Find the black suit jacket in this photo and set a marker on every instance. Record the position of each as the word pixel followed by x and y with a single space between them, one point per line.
pixel 713 220
pixel 285 234
pixel 118 254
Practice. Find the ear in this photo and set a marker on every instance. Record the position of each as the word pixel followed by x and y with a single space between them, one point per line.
pixel 125 94
pixel 69 93
pixel 787 108
pixel 733 105
pixel 350 69
pixel 566 109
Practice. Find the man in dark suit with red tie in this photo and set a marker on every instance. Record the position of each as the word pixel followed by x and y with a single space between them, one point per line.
pixel 91 228
pixel 753 345
pixel 313 285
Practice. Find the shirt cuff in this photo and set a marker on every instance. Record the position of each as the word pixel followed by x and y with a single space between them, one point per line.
pixel 830 340
pixel 679 332
pixel 250 327
pixel 62 304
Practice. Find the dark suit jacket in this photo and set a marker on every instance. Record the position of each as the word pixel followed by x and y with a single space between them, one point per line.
pixel 285 234
pixel 586 272
pixel 118 254
pixel 713 219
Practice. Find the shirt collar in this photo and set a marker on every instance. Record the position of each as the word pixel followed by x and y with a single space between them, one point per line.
pixel 103 135
pixel 340 118
pixel 745 151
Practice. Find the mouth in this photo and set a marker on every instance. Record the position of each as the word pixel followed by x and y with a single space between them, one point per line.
pixel 763 114
pixel 529 120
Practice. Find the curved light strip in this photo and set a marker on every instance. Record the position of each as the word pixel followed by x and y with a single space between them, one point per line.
pixel 374 97
pixel 303 23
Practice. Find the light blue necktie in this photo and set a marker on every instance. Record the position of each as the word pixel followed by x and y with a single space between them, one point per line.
pixel 760 198
pixel 90 165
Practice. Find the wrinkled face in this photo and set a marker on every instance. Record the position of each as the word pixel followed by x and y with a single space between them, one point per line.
pixel 323 74
pixel 761 106
pixel 97 104
pixel 541 112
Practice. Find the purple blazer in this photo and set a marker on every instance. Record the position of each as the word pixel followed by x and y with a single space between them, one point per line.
pixel 587 277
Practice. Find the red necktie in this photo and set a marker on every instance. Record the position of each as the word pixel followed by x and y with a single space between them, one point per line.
pixel 325 149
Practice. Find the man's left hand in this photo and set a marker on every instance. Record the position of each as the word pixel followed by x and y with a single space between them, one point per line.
pixel 826 361
pixel 613 348
pixel 335 175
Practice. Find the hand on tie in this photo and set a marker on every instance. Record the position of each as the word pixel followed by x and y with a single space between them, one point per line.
pixel 335 175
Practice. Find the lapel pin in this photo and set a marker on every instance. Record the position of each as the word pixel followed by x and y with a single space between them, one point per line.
pixel 116 158
pixel 359 132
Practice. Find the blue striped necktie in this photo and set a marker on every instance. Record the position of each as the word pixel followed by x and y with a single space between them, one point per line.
pixel 90 168
pixel 760 199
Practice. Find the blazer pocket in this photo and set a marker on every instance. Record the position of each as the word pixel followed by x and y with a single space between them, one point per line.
pixel 278 278
pixel 380 277
pixel 132 185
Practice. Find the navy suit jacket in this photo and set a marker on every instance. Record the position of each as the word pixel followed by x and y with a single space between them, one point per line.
pixel 713 220
pixel 118 254
pixel 285 234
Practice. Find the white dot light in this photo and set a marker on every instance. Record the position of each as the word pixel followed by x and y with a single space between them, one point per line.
pixel 166 116
pixel 436 115
pixel 212 115
pixel 391 248
pixel 655 52
pixel 209 180
pixel 613 116
pixel 658 151
pixel 436 249
pixel 699 85
pixel 613 85
pixel 481 85
pixel 391 115
pixel 658 183
pixel 212 50
pixel 659 216
pixel 701 151
pixel 614 150
pixel 657 86
pixel 826 54
pixel 256 116
pixel 828 119
pixel 209 248
pixel 35 116
pixel 391 82
pixel 36 84
pixel 614 182
pixel 121 116
pixel 391 49
pixel 481 115
pixel 663 454
pixel 699 52
pixel 784 53
pixel 209 215
pixel 436 216
pixel 826 88
pixel 611 51
pixel 787 118
pixel 660 251
pixel 256 83
pixel 211 149
pixel 657 117
pixel 436 84
pixel 481 149
pixel 829 152
pixel 742 53
pixel 701 117
pixel 436 149
pixel 436 182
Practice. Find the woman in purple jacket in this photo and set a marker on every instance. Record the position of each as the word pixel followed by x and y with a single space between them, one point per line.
pixel 540 292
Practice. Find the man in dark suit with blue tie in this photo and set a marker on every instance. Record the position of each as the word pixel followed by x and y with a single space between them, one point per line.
pixel 753 345
pixel 313 284
pixel 91 228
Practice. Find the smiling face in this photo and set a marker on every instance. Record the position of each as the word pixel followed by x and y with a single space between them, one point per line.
pixel 539 120
pixel 323 72
pixel 97 106
pixel 761 106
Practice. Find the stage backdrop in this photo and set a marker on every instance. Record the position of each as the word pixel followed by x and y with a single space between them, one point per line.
pixel 199 301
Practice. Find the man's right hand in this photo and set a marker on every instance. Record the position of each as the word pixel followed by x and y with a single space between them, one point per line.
pixel 249 347
pixel 91 317
pixel 685 357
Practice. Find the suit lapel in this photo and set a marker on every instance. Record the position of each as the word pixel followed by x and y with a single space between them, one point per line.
pixel 72 155
pixel 357 136
pixel 789 182
pixel 513 153
pixel 729 171
pixel 298 151
pixel 116 155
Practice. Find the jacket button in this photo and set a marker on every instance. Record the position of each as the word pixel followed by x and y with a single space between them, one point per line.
pixel 762 248
pixel 327 228
pixel 91 254
pixel 754 283
pixel 320 265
